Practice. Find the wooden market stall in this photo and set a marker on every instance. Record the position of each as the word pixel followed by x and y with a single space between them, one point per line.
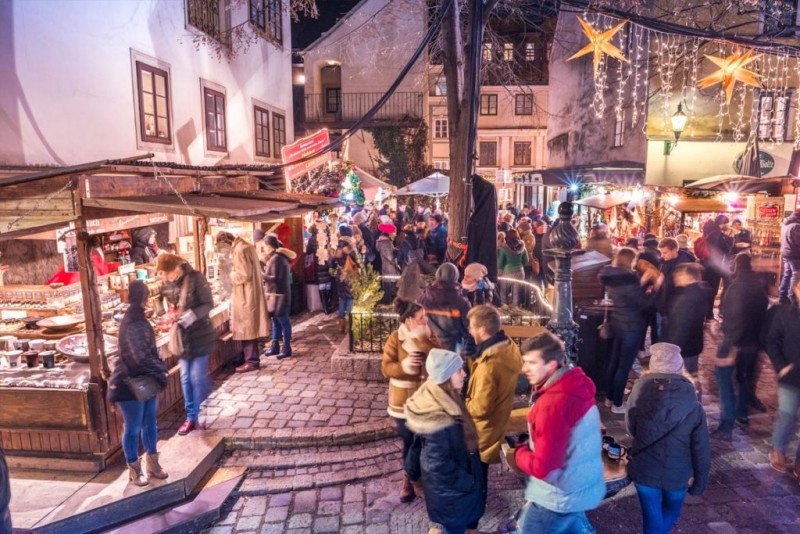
pixel 58 417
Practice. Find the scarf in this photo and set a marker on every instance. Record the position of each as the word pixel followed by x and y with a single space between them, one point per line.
pixel 434 407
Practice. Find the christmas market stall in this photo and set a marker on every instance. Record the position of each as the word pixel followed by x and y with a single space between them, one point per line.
pixel 83 223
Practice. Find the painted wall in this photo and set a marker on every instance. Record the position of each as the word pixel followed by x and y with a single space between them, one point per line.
pixel 68 82
pixel 694 160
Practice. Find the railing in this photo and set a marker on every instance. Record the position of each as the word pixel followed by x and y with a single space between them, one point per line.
pixel 368 331
pixel 350 107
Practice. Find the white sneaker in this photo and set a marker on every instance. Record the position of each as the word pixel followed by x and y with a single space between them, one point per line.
pixel 618 409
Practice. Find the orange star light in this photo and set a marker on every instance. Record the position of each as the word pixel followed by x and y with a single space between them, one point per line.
pixel 600 43
pixel 731 70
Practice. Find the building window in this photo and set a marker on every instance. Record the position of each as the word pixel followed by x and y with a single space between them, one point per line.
pixel 530 52
pixel 440 85
pixel 619 129
pixel 440 129
pixel 206 16
pixel 216 132
pixel 261 121
pixel 523 104
pixel 772 116
pixel 153 94
pixel 268 17
pixel 442 165
pixel 333 99
pixel 278 132
pixel 508 51
pixel 487 51
pixel 487 155
pixel 522 153
pixel 488 104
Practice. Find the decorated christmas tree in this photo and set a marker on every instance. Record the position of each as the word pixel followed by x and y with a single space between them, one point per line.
pixel 351 185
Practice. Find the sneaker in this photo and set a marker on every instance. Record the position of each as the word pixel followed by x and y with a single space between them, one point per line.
pixel 778 461
pixel 743 420
pixel 608 403
pixel 637 367
pixel 246 368
pixel 186 427
pixel 618 409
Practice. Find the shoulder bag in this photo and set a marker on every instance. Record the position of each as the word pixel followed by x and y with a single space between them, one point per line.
pixel 175 343
pixel 605 331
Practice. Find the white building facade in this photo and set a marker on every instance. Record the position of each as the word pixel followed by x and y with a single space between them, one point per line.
pixel 85 81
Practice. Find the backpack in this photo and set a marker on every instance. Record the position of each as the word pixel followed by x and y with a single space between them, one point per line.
pixel 701 248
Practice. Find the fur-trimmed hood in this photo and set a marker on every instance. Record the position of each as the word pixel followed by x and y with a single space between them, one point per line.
pixel 290 254
pixel 430 409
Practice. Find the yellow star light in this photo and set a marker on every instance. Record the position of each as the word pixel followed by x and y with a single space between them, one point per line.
pixel 731 70
pixel 599 43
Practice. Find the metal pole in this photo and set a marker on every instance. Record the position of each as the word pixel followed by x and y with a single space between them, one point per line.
pixel 473 98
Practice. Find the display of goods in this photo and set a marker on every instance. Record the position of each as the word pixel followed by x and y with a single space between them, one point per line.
pixel 61 323
pixel 77 348
pixel 11 325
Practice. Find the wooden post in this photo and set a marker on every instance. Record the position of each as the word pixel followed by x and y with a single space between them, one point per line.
pixel 200 230
pixel 295 244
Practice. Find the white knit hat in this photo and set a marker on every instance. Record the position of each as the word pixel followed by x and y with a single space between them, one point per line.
pixel 666 358
pixel 442 364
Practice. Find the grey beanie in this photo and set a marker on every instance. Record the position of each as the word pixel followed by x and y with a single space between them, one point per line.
pixel 447 272
pixel 666 358
pixel 442 364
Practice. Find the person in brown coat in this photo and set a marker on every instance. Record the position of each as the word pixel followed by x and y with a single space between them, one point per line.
pixel 492 382
pixel 403 363
pixel 248 306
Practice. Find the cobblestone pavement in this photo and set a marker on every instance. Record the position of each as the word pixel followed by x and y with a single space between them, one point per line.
pixel 353 488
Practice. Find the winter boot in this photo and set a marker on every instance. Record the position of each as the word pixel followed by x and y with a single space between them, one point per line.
pixel 274 350
pixel 135 474
pixel 154 469
pixel 407 494
pixel 342 326
pixel 286 352
pixel 778 461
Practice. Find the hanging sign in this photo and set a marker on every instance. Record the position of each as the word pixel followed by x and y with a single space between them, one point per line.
pixel 302 148
pixel 765 161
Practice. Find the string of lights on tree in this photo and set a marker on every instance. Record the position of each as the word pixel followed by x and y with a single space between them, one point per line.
pixel 688 71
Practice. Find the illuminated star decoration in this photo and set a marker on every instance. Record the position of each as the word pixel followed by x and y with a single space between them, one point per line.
pixel 731 70
pixel 600 43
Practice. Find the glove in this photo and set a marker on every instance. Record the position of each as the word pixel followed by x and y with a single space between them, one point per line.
pixel 187 319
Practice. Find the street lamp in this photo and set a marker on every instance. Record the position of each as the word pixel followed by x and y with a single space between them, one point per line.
pixel 678 124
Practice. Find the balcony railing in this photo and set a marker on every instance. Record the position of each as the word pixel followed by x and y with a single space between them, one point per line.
pixel 349 107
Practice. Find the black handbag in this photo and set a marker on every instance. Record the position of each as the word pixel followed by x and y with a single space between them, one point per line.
pixel 143 387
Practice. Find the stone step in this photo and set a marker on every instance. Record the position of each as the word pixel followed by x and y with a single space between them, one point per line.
pixel 292 438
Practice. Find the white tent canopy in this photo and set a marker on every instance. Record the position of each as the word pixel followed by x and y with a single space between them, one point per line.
pixel 435 185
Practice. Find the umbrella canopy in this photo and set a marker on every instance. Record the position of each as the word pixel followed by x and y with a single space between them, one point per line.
pixel 435 185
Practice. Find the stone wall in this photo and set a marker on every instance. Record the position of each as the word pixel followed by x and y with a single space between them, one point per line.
pixel 358 365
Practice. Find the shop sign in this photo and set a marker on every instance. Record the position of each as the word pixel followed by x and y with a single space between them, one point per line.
pixel 770 211
pixel 302 148
pixel 765 161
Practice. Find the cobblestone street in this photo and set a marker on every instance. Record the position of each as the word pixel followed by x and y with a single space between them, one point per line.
pixel 321 458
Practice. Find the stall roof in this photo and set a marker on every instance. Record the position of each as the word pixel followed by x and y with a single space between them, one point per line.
pixel 239 206
pixel 614 172
pixel 737 182
pixel 703 205
pixel 602 202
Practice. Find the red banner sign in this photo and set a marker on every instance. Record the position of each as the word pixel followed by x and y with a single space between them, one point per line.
pixel 301 149
pixel 769 211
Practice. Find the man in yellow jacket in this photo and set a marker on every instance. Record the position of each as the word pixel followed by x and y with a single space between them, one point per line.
pixel 493 379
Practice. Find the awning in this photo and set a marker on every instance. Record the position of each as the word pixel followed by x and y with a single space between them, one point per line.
pixel 703 205
pixel 619 173
pixel 237 206
pixel 737 182
pixel 370 182
pixel 437 184
pixel 602 202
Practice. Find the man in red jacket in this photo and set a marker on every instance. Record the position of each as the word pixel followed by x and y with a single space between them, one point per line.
pixel 562 455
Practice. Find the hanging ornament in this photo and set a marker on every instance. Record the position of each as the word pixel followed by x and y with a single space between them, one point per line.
pixel 599 44
pixel 731 70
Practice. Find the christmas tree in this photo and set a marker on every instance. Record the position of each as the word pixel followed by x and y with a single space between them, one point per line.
pixel 351 185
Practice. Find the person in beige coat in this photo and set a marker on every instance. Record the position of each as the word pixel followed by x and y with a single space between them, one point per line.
pixel 249 321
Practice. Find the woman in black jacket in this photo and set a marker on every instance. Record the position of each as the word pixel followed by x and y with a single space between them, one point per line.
pixel 670 454
pixel 197 332
pixel 445 448
pixel 138 357
pixel 628 322
pixel 144 248
pixel 279 295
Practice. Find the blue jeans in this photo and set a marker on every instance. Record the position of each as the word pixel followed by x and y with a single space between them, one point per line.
pixel 623 353
pixel 345 305
pixel 785 424
pixel 791 268
pixel 194 382
pixel 282 327
pixel 660 508
pixel 535 519
pixel 731 406
pixel 453 530
pixel 140 418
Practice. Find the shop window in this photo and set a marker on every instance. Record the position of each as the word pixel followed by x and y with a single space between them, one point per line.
pixel 154 102
pixel 522 153
pixel 440 129
pixel 772 116
pixel 619 129
pixel 523 104
pixel 487 155
pixel 530 52
pixel 488 104
pixel 261 121
pixel 216 130
pixel 508 51
pixel 278 133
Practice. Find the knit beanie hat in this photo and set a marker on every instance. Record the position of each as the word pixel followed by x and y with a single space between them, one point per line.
pixel 258 235
pixel 666 358
pixel 345 231
pixel 442 364
pixel 447 272
pixel 476 271
pixel 683 240
pixel 137 293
